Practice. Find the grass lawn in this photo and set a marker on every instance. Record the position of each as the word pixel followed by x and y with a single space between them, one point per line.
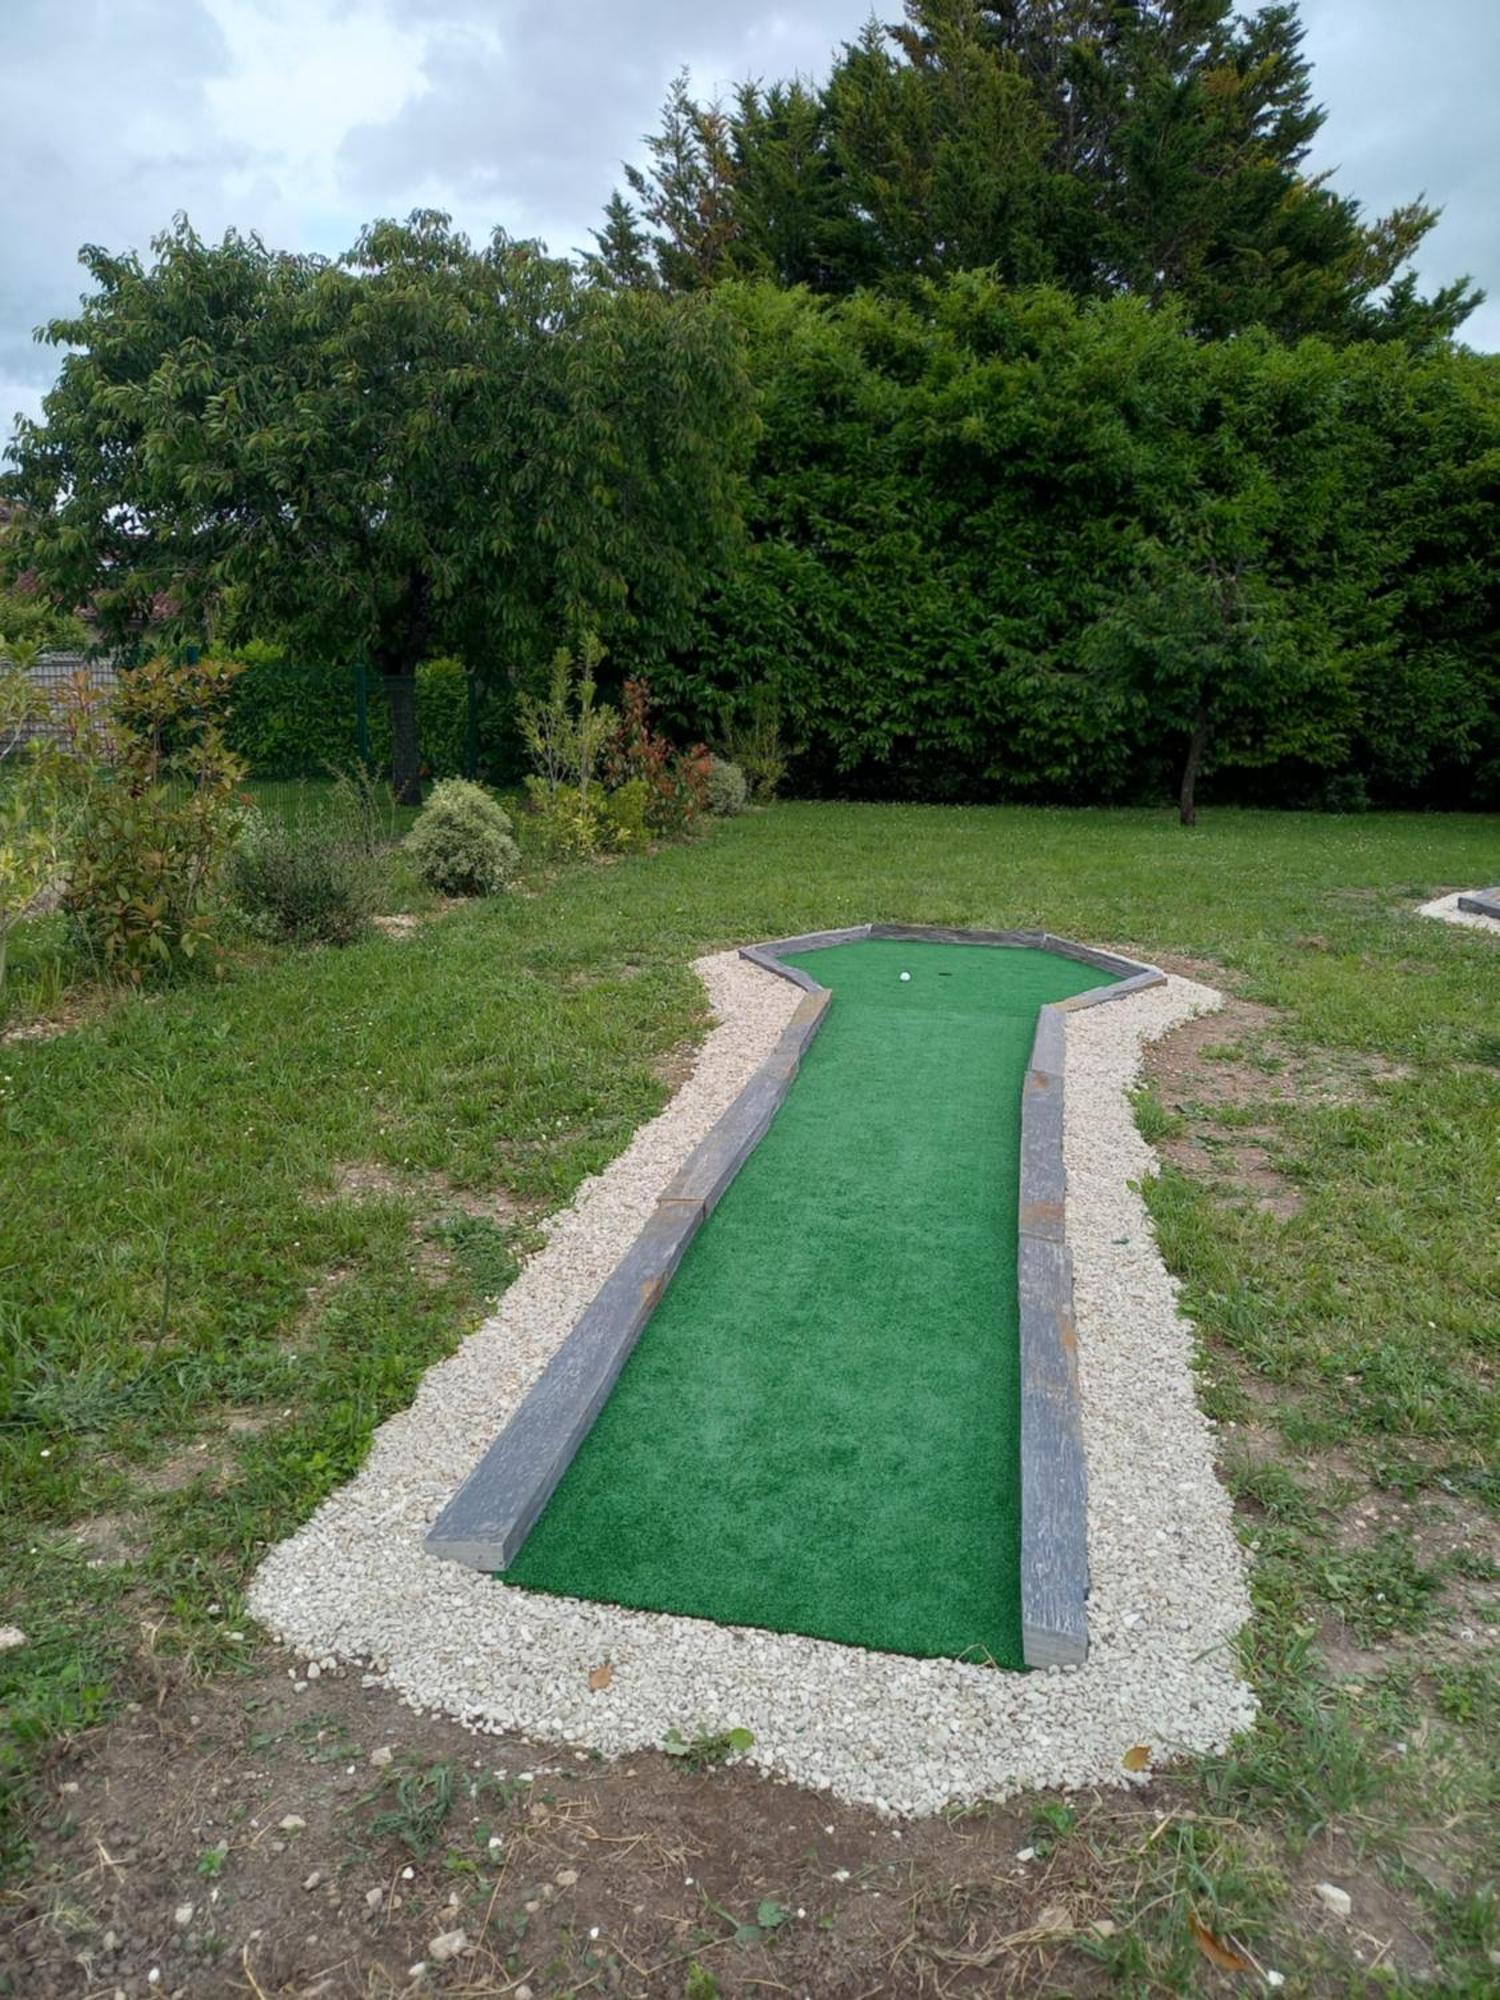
pixel 241 1218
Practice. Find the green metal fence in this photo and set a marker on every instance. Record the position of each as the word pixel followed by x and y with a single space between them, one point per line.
pixel 292 720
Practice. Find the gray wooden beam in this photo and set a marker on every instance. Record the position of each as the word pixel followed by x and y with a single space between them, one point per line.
pixel 1482 903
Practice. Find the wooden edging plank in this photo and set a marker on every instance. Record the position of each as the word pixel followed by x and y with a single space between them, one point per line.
pixel 486 1522
pixel 1482 903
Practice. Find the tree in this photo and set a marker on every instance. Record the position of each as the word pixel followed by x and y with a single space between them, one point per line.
pixel 623 256
pixel 942 148
pixel 687 194
pixel 421 448
pixel 1155 147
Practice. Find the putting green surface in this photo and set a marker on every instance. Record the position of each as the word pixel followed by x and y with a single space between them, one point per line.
pixel 819 1430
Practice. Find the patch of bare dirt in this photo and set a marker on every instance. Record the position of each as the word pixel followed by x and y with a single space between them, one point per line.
pixel 371 1180
pixel 675 1065
pixel 291 1839
pixel 1380 1927
pixel 47 1027
pixel 253 1839
pixel 1227 1075
pixel 106 1540
pixel 587 977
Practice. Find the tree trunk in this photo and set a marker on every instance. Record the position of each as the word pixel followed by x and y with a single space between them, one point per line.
pixel 1187 798
pixel 406 756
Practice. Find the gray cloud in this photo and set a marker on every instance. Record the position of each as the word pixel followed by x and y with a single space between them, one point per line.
pixel 303 118
pixel 527 110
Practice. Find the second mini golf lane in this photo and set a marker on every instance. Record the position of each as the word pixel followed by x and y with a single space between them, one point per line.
pixel 819 1429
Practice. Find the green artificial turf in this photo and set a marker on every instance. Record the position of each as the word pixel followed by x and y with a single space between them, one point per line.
pixel 819 1430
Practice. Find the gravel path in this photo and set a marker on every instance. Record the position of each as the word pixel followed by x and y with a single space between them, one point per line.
pixel 354 1585
pixel 1446 910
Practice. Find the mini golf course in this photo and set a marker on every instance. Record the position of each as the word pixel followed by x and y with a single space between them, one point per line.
pixel 818 1430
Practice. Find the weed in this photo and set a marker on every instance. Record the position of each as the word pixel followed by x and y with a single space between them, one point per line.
pixel 424 1800
pixel 698 1753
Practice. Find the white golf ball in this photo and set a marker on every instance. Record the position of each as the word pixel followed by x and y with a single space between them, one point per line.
pixel 906 975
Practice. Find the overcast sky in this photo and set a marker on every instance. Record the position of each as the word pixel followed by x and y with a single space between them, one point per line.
pixel 302 119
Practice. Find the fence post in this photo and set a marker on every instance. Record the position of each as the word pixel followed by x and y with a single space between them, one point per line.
pixel 471 726
pixel 362 712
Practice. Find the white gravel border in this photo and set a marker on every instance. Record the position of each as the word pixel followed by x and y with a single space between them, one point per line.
pixel 1169 1594
pixel 1446 910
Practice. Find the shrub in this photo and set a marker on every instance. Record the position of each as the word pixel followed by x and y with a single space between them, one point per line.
pixel 623 812
pixel 462 842
pixel 155 810
pixel 728 792
pixel 567 731
pixel 309 882
pixel 564 826
pixel 757 747
pixel 676 781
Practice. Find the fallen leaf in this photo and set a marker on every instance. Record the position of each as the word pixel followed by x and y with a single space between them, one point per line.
pixel 1137 1757
pixel 600 1677
pixel 1215 1950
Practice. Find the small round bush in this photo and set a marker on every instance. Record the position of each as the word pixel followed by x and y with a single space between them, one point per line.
pixel 461 842
pixel 728 792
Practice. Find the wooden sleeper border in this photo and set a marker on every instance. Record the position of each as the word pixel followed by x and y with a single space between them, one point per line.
pixel 488 1519
pixel 1482 903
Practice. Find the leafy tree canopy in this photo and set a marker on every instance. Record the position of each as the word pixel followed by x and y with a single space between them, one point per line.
pixel 418 448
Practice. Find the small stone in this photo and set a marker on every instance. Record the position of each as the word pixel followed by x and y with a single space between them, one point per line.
pixel 522 1993
pixel 566 1877
pixel 381 1757
pixel 408 1874
pixel 313 1670
pixel 11 1636
pixel 1026 1854
pixel 374 1898
pixel 1334 1898
pixel 446 1945
pixel 293 1823
pixel 110 1941
pixel 1274 1979
pixel 182 1916
pixel 314 1879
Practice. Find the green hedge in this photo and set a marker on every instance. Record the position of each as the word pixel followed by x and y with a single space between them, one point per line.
pixel 988 528
pixel 295 720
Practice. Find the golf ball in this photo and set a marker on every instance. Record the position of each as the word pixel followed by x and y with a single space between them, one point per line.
pixel 906 975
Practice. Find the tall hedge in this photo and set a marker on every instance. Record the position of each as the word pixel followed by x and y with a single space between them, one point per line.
pixel 297 719
pixel 992 535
